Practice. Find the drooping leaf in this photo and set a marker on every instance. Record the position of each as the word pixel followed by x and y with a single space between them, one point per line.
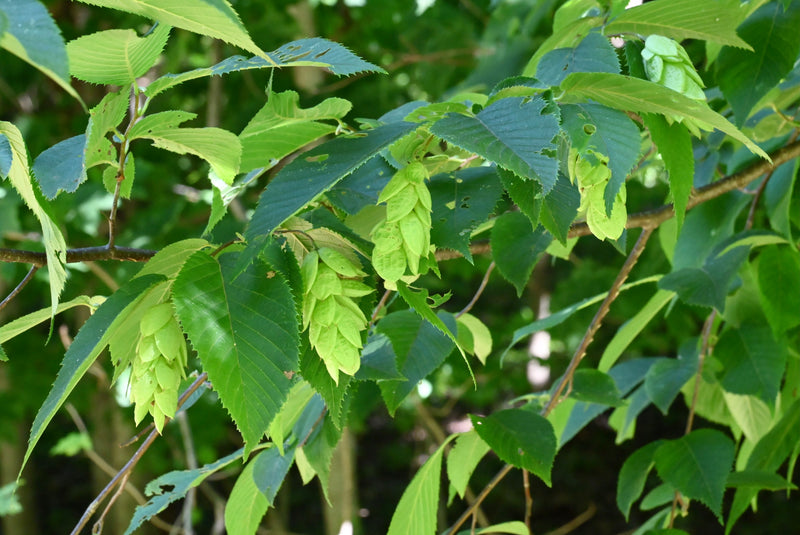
pixel 593 54
pixel 87 345
pixel 517 247
pixel 747 75
pixel 641 96
pixel 23 323
pixel 592 127
pixel 62 167
pixel 314 52
pixel 461 201
pixel 515 133
pixel 419 348
pixel 20 177
pixel 246 505
pixel 633 476
pixel 675 146
pixel 520 437
pixel 173 486
pixel 32 35
pixel 708 285
pixel 115 57
pixel 779 287
pixel 214 18
pixel 281 126
pixel 713 21
pixel 753 362
pixel 245 332
pixel 465 455
pixel 315 172
pixel 697 465
pixel 415 514
pixel 593 386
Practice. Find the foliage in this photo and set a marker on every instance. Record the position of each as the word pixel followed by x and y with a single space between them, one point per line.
pixel 325 274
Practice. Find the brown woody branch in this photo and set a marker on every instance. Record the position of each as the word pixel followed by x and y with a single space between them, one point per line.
pixel 84 254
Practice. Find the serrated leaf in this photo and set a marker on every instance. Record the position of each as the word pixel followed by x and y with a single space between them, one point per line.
pixel 104 118
pixel 378 360
pixel 20 325
pixel 418 301
pixel 173 486
pixel 87 345
pixel 753 362
pixel 713 21
pixel 20 178
pixel 521 438
pixel 419 349
pixel 157 122
pixel 708 285
pixel 517 247
pixel 745 76
pixel 480 337
pixel 593 386
pixel 633 476
pixel 32 35
pixel 516 133
pixel 463 458
pixel 779 287
pixel 246 505
pixel 526 194
pixel 461 201
pixel 61 167
pixel 315 172
pixel 281 126
pixel 313 370
pixel 314 51
pixel 593 54
pixel 632 94
pixel 115 57
pixel 666 378
pixel 697 465
pixel 214 18
pixel 675 146
pixel 245 333
pixel 560 208
pixel 592 127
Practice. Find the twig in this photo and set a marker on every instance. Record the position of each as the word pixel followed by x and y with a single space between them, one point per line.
pixel 526 485
pixel 84 254
pixel 479 292
pixel 576 522
pixel 379 307
pixel 24 282
pixel 498 477
pixel 191 463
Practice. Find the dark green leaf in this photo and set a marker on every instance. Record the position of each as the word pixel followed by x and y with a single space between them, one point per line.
pixel 378 361
pixel 361 187
pixel 753 362
pixel 633 476
pixel 666 377
pixel 593 386
pixel 560 208
pixel 675 146
pixel 697 465
pixel 418 301
pixel 516 247
pixel 6 156
pixel 313 370
pixel 760 480
pixel 779 286
pixel 270 469
pixel 461 201
pixel 593 54
pixel 516 133
pixel 526 194
pixel 520 437
pixel 245 332
pixel 707 286
pixel 61 167
pixel 778 197
pixel 745 76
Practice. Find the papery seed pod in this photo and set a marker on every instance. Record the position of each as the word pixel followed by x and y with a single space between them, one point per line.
pixel 667 63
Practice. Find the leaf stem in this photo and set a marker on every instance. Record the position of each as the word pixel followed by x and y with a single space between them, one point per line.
pixel 479 292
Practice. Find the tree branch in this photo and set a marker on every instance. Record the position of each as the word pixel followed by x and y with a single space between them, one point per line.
pixel 84 254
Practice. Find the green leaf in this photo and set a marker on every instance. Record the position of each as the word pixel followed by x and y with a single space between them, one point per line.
pixel 87 345
pixel 169 260
pixel 160 121
pixel 282 127
pixel 20 325
pixel 779 287
pixel 520 437
pixel 32 35
pixel 751 414
pixel 313 370
pixel 270 469
pixel 314 52
pixel 61 167
pixel 713 21
pixel 245 332
pixel 745 76
pixel 515 133
pixel 115 57
pixel 419 348
pixel 526 194
pixel 246 505
pixel 560 208
pixel 633 476
pixel 753 362
pixel 778 197
pixel 463 458
pixel 641 96
pixel 104 118
pixel 6 156
pixel 760 480
pixel 317 171
pixel 706 286
pixel 666 378
pixel 697 465
pixel 418 301
pixel 462 200
pixel 378 360
pixel 296 401
pixel 362 187
pixel 593 54
pixel 517 247
pixel 415 514
pixel 593 386
pixel 478 335
pixel 214 18
pixel 513 528
pixel 20 177
pixel 564 38
pixel 675 146
pixel 592 127
pixel 173 486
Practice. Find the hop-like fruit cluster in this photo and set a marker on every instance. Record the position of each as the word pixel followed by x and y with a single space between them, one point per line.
pixel 592 174
pixel 667 63
pixel 330 313
pixel 404 237
pixel 158 366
